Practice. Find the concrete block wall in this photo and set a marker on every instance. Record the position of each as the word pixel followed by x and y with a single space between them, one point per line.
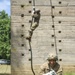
pixel 43 41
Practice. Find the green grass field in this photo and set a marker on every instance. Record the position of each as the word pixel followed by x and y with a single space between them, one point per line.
pixel 5 69
pixel 69 73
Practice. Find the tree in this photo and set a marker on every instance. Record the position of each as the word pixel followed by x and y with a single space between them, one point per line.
pixel 4 35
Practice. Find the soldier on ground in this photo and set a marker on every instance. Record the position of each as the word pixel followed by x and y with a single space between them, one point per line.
pixel 51 64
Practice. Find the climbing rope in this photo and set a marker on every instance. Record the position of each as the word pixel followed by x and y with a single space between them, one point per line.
pixel 33 11
pixel 54 27
pixel 31 58
pixel 30 40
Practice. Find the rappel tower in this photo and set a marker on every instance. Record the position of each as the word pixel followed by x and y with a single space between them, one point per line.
pixel 55 32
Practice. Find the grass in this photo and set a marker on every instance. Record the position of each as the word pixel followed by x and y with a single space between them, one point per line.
pixel 5 74
pixel 69 73
pixel 5 69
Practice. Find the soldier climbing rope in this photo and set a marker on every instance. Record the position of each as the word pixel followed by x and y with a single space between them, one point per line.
pixel 33 26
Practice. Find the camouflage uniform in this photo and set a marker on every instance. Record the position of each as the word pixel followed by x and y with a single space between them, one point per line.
pixel 46 67
pixel 36 18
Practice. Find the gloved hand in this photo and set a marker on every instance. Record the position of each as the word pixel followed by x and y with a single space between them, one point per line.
pixel 52 72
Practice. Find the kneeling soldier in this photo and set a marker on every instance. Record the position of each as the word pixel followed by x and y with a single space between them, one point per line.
pixel 51 64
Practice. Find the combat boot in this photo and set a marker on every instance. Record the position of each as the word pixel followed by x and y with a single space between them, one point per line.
pixel 30 35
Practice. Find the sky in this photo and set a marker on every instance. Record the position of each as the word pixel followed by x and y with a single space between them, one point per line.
pixel 5 5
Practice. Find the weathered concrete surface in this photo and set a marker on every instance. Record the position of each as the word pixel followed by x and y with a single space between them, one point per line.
pixel 43 39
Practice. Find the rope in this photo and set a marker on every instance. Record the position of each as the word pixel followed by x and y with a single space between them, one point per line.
pixel 33 2
pixel 54 27
pixel 33 10
pixel 30 41
pixel 31 58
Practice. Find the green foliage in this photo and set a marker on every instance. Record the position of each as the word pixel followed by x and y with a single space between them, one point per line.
pixel 4 35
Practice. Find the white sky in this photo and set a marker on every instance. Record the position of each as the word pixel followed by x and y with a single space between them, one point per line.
pixel 5 5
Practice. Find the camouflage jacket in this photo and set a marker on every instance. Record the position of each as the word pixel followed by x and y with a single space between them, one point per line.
pixel 45 68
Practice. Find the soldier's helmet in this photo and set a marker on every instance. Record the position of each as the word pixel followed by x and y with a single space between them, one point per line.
pixel 52 56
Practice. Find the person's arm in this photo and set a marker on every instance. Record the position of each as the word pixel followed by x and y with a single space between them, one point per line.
pixel 59 73
pixel 42 71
